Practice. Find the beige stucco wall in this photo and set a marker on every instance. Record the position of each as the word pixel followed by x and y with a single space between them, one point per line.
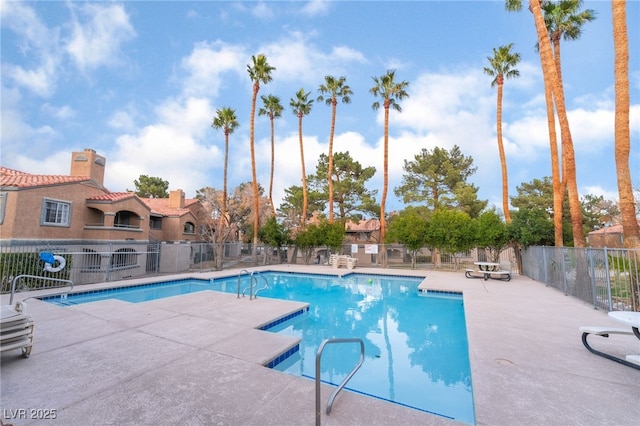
pixel 24 212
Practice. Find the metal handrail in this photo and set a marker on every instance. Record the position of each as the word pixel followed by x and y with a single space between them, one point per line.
pixel 266 284
pixel 15 280
pixel 253 281
pixel 332 397
pixel 240 273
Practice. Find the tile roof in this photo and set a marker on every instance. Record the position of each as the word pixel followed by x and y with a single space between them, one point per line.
pixel 112 196
pixel 18 179
pixel 614 229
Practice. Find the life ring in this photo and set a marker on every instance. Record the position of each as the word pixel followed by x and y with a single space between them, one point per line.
pixel 61 264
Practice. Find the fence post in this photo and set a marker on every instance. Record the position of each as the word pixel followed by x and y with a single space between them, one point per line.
pixel 607 274
pixel 592 277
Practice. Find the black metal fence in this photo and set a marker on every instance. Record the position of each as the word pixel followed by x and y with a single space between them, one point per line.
pixel 605 277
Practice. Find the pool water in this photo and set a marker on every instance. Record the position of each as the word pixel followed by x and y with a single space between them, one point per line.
pixel 416 349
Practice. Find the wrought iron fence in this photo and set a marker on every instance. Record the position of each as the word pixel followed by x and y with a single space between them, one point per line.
pixel 607 278
pixel 113 261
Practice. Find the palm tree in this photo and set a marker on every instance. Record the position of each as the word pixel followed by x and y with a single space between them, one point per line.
pixel 559 188
pixel 335 88
pixel 562 21
pixel 301 106
pixel 259 72
pixel 551 78
pixel 391 94
pixel 502 66
pixel 272 108
pixel 630 227
pixel 226 120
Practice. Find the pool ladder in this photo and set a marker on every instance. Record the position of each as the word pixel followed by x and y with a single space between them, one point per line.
pixel 253 282
pixel 333 396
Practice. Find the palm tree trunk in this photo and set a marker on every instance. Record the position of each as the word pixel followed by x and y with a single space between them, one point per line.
pixel 254 251
pixel 630 226
pixel 273 155
pixel 385 184
pixel 330 171
pixel 305 201
pixel 556 178
pixel 569 164
pixel 503 159
pixel 223 212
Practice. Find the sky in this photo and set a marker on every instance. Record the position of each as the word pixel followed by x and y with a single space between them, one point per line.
pixel 140 82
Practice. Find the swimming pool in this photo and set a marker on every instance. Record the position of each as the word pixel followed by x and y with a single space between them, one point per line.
pixel 416 350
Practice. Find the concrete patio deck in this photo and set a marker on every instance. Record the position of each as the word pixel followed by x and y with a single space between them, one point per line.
pixel 197 360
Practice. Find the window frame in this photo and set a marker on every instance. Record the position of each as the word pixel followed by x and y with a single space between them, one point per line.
pixel 189 228
pixel 45 209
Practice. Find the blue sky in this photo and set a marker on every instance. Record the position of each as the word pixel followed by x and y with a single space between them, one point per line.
pixel 140 82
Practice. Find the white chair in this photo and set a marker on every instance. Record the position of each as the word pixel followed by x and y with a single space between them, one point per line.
pixel 16 329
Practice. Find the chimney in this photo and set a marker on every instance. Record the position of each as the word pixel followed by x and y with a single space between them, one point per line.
pixel 88 163
pixel 176 199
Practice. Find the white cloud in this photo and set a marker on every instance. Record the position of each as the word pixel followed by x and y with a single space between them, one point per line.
pixel 315 8
pixel 122 120
pixel 591 130
pixel 262 11
pixel 38 45
pixel 206 64
pixel 17 132
pixel 599 191
pixel 61 113
pixel 163 148
pixel 97 40
pixel 296 59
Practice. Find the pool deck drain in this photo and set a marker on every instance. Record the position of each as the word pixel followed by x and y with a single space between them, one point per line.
pixel 197 359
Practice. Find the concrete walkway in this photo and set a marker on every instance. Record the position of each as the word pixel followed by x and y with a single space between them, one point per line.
pixel 197 360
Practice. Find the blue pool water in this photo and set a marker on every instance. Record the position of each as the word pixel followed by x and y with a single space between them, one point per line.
pixel 416 350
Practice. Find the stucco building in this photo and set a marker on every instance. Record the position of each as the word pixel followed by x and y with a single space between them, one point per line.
pixel 77 207
pixel 102 235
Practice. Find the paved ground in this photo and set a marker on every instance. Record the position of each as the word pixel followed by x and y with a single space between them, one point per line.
pixel 197 360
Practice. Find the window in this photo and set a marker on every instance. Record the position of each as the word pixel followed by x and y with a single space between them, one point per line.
pixel 155 222
pixel 189 228
pixel 124 219
pixel 56 213
pixel 123 258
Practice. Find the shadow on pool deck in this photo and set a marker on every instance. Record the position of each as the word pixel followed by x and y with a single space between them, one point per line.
pixel 197 359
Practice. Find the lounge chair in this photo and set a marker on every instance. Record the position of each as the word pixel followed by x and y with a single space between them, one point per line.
pixel 16 329
pixel 632 361
pixel 348 262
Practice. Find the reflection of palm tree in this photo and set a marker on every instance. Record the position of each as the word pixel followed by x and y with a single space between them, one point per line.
pixel 385 330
